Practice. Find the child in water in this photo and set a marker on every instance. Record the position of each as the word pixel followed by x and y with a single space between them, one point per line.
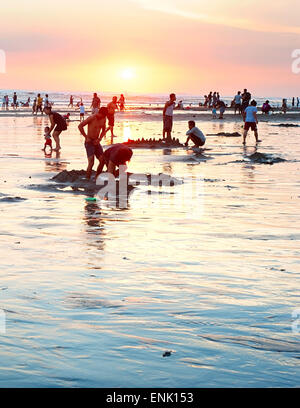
pixel 48 140
pixel 214 113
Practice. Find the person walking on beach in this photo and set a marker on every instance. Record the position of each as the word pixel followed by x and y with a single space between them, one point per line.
pixel 95 104
pixel 238 103
pixel 246 98
pixel 168 117
pixel 111 108
pixel 114 157
pixel 39 104
pixel 95 132
pixel 195 135
pixel 58 125
pixel 251 121
pixel 121 102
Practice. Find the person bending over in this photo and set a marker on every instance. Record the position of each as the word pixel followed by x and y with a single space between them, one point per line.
pixel 114 157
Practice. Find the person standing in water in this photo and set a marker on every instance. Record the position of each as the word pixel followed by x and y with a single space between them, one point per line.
pixel 15 99
pixel 71 101
pixel 58 125
pixel 95 132
pixel 95 104
pixel 111 108
pixel 238 103
pixel 251 121
pixel 39 104
pixel 168 117
pixel 82 111
pixel 121 102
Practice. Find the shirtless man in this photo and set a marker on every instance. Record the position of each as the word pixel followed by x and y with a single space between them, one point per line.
pixel 111 108
pixel 95 132
pixel 114 157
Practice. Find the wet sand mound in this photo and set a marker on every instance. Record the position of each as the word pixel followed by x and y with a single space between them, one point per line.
pixel 152 143
pixel 265 158
pixel 226 134
pixel 286 125
pixel 9 199
pixel 75 181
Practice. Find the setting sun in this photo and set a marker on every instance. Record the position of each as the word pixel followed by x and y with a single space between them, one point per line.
pixel 128 73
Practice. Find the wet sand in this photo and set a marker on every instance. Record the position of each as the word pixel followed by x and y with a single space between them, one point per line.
pixel 207 270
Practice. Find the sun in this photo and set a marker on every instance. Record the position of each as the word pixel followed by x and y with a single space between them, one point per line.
pixel 128 73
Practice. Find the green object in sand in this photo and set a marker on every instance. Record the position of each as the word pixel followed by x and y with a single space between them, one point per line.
pixel 91 199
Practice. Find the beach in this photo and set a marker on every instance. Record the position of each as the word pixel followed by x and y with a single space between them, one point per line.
pixel 94 295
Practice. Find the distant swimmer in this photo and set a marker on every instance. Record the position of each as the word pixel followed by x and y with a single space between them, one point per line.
pixel 48 141
pixel 168 117
pixel 251 121
pixel 195 135
pixel 95 132
pixel 58 125
pixel 114 157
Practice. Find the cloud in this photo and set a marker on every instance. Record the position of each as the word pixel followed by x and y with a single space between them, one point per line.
pixel 230 16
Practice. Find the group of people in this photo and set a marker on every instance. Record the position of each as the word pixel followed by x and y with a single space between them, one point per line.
pixel 95 124
pixel 249 112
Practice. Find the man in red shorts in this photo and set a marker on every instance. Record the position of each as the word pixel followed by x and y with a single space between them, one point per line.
pixel 250 119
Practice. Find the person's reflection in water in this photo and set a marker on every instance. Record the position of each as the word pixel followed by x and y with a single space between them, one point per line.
pixel 54 164
pixel 95 225
pixel 248 168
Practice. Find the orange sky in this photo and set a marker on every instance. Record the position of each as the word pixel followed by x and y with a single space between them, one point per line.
pixel 190 46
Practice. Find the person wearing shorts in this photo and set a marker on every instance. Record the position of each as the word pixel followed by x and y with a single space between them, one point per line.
pixel 195 135
pixel 58 125
pixel 250 119
pixel 168 117
pixel 111 108
pixel 95 132
pixel 114 157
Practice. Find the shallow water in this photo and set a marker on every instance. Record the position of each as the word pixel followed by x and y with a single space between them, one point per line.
pixel 208 270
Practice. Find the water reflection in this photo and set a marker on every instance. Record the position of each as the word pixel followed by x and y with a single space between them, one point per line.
pixel 95 224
